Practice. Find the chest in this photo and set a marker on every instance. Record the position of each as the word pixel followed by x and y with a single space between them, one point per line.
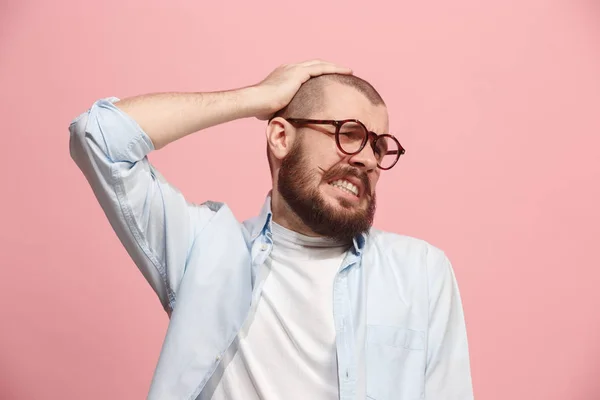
pixel 396 310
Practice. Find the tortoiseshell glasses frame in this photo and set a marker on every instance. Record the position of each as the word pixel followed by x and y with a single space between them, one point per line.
pixel 382 145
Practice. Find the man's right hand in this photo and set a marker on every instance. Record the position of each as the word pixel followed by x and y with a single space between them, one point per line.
pixel 280 86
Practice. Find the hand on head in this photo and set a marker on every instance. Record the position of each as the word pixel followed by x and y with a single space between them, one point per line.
pixel 280 86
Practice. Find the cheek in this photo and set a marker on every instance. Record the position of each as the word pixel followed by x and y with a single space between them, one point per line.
pixel 326 150
pixel 374 181
pixel 322 154
pixel 327 158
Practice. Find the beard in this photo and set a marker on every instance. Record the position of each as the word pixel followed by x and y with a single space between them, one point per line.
pixel 296 184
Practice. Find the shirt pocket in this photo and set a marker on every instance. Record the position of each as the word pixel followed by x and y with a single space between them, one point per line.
pixel 395 363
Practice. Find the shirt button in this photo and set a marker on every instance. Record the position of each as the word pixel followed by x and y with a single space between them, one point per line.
pixel 263 247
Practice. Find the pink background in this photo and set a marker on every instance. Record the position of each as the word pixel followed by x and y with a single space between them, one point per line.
pixel 497 105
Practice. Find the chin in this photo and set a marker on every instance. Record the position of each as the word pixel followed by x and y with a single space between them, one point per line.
pixel 343 204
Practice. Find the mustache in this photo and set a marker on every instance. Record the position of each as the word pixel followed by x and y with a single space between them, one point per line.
pixel 342 171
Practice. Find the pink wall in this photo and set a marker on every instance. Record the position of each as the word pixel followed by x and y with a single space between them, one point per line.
pixel 497 105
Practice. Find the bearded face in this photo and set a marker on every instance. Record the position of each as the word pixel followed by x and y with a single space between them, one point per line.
pixel 337 203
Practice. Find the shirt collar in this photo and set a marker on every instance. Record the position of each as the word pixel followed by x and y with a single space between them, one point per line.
pixel 261 225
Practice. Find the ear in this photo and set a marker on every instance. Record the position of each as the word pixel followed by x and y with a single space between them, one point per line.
pixel 280 137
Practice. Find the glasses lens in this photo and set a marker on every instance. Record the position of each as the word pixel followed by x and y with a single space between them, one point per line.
pixel 387 151
pixel 351 137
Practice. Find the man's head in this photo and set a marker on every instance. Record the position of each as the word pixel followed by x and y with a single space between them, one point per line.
pixel 313 180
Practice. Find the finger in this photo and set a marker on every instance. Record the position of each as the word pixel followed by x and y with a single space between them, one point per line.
pixel 309 63
pixel 313 63
pixel 325 65
pixel 321 69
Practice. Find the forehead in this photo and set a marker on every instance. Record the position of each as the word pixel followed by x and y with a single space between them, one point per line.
pixel 345 102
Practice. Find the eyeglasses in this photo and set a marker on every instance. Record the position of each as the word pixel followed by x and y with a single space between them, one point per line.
pixel 351 137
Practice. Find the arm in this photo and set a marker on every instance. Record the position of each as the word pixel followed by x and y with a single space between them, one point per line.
pixel 110 143
pixel 166 117
pixel 448 374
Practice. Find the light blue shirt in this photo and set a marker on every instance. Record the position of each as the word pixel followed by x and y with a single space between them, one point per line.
pixel 396 305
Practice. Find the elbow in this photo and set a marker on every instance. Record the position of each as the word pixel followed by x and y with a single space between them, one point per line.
pixel 77 137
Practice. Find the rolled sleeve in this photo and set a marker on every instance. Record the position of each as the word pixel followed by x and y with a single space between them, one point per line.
pixel 152 219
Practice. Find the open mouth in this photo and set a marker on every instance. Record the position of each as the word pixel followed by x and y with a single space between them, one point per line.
pixel 345 186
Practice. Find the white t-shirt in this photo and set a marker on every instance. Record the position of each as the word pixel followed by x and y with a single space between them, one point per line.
pixel 286 350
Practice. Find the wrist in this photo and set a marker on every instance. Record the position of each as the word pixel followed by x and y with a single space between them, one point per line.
pixel 253 102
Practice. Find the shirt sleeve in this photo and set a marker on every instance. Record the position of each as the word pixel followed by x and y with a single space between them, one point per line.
pixel 448 374
pixel 151 218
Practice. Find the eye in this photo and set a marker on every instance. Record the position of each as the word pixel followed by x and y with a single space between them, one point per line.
pixel 380 147
pixel 353 131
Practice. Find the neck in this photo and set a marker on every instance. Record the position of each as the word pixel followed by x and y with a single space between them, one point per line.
pixel 286 217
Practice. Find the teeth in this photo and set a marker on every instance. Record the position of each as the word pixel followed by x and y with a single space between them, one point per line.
pixel 343 184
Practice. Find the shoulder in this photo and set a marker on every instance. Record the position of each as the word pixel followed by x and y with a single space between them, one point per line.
pixel 397 244
pixel 405 253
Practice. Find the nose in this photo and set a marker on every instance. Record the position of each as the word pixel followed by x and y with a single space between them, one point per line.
pixel 364 160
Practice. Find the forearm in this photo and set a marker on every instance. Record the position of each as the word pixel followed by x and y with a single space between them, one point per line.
pixel 166 117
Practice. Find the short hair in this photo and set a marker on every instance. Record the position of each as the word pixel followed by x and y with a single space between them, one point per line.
pixel 310 97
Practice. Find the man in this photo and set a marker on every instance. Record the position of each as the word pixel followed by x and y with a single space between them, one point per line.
pixel 305 301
